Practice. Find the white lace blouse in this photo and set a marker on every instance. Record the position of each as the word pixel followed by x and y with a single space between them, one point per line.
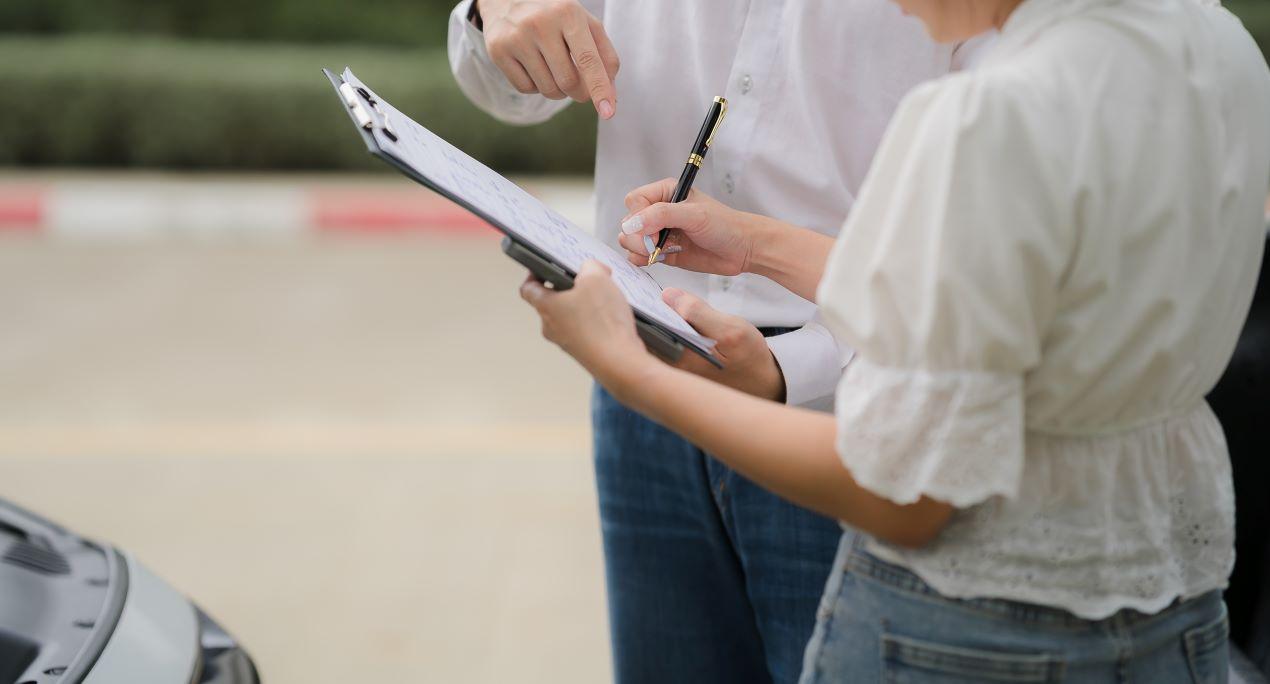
pixel 1046 270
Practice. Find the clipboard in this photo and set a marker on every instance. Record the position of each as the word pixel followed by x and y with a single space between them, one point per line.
pixel 369 117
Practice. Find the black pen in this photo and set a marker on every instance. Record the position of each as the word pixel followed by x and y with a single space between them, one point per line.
pixel 714 117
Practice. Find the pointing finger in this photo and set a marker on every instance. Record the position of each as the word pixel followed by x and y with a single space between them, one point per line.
pixel 591 68
pixel 608 54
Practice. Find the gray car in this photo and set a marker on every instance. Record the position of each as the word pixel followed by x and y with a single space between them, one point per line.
pixel 75 610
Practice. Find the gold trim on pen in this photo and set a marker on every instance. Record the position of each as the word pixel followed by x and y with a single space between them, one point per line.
pixel 695 159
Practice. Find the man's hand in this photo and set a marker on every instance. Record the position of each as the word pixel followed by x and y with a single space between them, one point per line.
pixel 748 363
pixel 552 47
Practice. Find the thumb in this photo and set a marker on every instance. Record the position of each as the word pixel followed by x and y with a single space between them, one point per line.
pixel 706 319
pixel 593 269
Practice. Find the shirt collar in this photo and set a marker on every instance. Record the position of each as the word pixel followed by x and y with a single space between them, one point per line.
pixel 1032 17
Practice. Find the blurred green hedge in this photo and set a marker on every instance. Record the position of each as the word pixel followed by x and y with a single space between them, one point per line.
pixel 1256 17
pixel 147 101
pixel 418 23
pixel 157 103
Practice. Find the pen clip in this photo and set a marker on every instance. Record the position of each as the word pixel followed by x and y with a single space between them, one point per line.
pixel 723 102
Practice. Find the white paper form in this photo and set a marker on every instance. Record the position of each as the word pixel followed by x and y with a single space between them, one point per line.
pixel 525 216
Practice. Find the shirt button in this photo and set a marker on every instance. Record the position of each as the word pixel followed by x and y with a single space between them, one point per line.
pixel 746 84
pixel 729 185
pixel 726 284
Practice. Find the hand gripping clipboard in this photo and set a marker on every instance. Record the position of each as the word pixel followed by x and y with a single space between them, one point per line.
pixel 371 116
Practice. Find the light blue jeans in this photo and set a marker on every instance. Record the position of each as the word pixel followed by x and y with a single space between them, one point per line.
pixel 879 622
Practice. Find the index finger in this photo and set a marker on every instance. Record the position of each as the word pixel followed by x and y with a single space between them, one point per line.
pixel 646 195
pixel 608 53
pixel 591 67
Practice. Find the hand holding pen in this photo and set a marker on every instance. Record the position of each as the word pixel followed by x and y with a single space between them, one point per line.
pixel 705 137
pixel 710 237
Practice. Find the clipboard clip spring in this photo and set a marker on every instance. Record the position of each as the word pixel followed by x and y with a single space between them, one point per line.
pixel 358 106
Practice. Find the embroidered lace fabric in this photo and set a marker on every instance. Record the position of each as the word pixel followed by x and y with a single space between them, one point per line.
pixel 1128 519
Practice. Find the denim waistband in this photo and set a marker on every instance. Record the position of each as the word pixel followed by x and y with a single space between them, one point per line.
pixel 773 331
pixel 863 563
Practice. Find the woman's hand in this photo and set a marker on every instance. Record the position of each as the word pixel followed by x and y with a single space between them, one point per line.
pixel 707 235
pixel 710 237
pixel 593 323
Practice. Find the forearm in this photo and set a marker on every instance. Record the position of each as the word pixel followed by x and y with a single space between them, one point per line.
pixel 793 257
pixel 787 450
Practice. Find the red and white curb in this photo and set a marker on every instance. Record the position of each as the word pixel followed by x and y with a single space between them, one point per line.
pixel 139 209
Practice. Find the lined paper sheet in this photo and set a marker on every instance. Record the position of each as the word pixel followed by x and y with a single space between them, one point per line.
pixel 520 213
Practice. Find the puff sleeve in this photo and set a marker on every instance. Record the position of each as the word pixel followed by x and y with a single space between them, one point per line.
pixel 944 280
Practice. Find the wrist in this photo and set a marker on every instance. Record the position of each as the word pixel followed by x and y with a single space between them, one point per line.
pixel 632 381
pixel 765 240
pixel 775 386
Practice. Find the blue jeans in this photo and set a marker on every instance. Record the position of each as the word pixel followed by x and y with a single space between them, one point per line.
pixel 710 577
pixel 879 622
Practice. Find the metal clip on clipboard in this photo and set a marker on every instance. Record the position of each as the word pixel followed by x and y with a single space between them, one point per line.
pixel 360 103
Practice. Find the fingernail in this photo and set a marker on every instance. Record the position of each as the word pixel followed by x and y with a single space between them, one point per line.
pixel 633 224
pixel 660 258
pixel 673 249
pixel 649 244
pixel 606 109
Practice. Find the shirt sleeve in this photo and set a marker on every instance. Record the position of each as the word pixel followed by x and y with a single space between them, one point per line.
pixel 484 83
pixel 811 360
pixel 944 280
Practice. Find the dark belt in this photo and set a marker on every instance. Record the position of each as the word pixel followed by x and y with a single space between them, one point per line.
pixel 774 331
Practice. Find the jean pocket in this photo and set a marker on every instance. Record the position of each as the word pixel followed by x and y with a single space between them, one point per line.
pixel 906 660
pixel 1207 651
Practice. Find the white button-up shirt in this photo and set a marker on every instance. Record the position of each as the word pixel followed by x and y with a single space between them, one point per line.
pixel 811 87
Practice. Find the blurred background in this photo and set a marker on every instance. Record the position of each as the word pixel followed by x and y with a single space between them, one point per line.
pixel 299 387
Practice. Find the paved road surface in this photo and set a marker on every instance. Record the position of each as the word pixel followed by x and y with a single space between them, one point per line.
pixel 357 453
